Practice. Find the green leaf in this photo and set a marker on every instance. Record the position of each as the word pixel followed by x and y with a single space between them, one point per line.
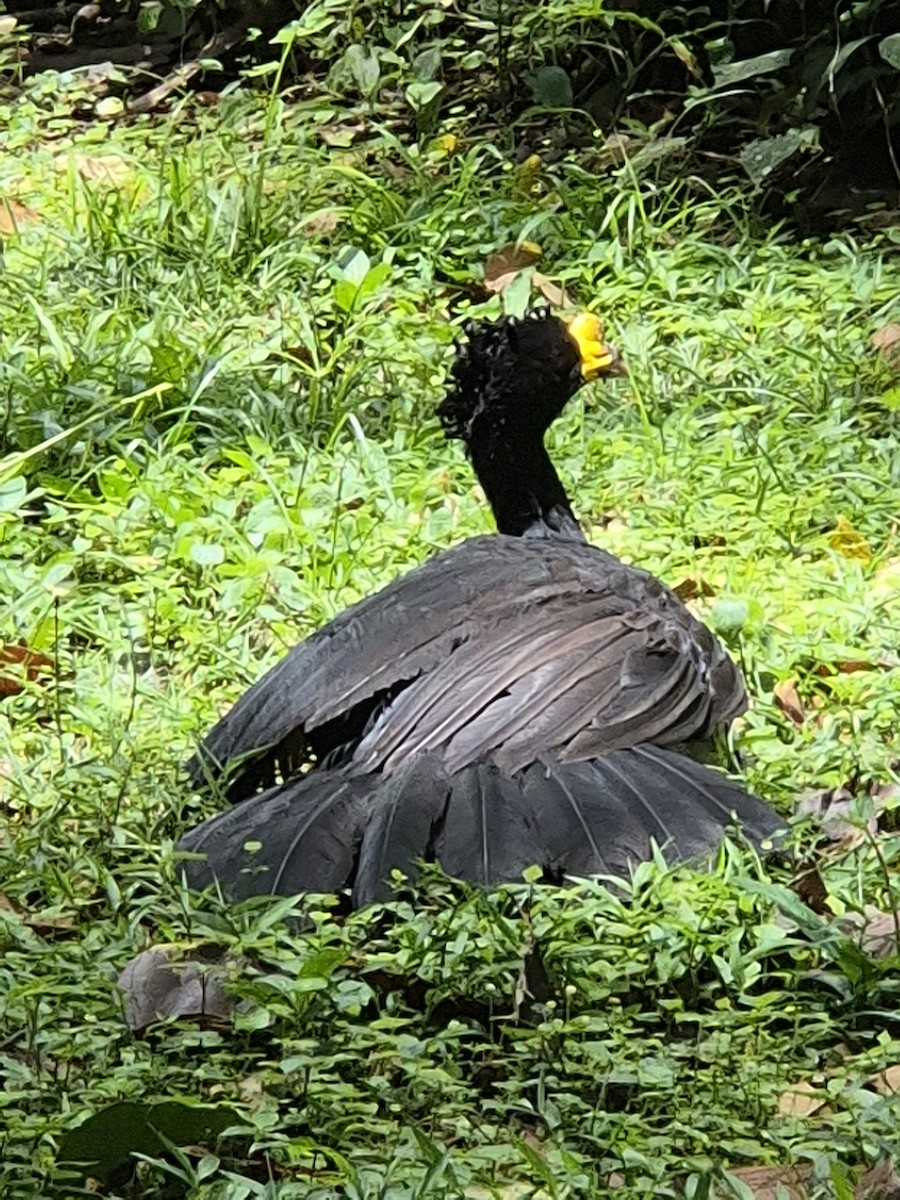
pixel 12 493
pixel 364 67
pixel 355 266
pixel 207 554
pixel 728 74
pixel 889 49
pixel 550 87
pixel 427 64
pixel 420 95
pixel 729 615
pixel 760 158
pixel 111 1136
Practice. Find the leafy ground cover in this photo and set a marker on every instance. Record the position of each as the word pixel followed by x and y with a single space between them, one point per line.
pixel 222 337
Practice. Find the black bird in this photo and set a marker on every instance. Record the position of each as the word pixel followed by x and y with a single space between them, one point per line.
pixel 516 700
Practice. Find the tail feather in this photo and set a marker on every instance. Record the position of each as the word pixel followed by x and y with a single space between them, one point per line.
pixel 335 829
pixel 301 837
pixel 490 831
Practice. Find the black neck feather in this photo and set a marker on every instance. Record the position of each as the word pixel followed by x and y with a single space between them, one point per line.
pixel 521 484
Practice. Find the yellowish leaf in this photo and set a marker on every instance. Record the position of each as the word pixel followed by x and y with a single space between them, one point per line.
pixel 109 106
pixel 7 25
pixel 848 541
pixel 447 143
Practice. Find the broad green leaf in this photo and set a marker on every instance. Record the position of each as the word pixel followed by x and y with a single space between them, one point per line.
pixel 110 1137
pixel 364 67
pixel 550 87
pixel 889 49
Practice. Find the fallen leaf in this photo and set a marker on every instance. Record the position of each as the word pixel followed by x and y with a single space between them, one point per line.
pixel 692 589
pixel 881 1183
pixel 887 341
pixel 810 887
pixel 13 214
pixel 503 265
pixel 341 136
pixel 878 932
pixel 787 698
pixel 31 664
pixel 174 981
pixel 108 169
pixel 849 541
pixel 55 927
pixel 322 222
pixel 887 1081
pixel 802 1099
pixel 848 666
pixel 775 1182
pixel 551 292
pixel 616 150
pixel 841 818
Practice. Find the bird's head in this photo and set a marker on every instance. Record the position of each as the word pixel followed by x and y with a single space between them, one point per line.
pixel 519 374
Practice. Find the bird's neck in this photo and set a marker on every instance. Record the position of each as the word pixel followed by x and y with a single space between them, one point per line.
pixel 521 485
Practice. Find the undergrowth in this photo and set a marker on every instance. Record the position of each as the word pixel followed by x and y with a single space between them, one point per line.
pixel 221 346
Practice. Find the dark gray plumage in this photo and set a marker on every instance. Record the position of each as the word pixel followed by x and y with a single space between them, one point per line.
pixel 502 705
pixel 335 829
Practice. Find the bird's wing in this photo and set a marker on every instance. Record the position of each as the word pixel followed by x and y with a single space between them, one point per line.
pixel 505 646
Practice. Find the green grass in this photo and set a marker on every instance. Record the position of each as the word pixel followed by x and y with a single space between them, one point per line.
pixel 219 367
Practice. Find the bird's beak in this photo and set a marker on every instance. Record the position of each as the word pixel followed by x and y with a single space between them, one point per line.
pixel 598 358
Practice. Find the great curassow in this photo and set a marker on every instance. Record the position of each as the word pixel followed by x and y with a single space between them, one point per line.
pixel 514 701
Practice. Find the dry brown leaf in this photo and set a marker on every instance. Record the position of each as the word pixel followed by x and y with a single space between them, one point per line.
pixel 323 222
pixel 887 342
pixel 881 1183
pixel 616 150
pixel 849 541
pixel 13 214
pixel 776 1182
pixel 552 292
pixel 802 1099
pixel 788 700
pixel 29 665
pixel 341 136
pixel 692 589
pixel 6 905
pixel 107 169
pixel 55 927
pixel 849 666
pixel 174 981
pixel 838 813
pixel 810 887
pixel 887 1081
pixel 879 935
pixel 508 262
